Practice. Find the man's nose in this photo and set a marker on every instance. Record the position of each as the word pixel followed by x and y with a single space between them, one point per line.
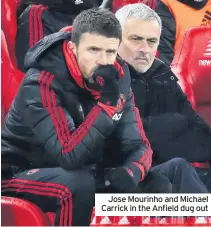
pixel 102 59
pixel 144 46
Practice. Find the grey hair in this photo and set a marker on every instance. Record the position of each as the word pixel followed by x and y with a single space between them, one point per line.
pixel 139 11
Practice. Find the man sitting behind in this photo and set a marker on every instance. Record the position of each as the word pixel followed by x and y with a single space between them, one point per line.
pixel 177 16
pixel 173 128
pixel 39 18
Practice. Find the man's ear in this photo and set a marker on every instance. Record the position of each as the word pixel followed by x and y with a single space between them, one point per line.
pixel 72 46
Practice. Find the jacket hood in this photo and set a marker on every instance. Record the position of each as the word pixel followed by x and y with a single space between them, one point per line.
pixel 47 54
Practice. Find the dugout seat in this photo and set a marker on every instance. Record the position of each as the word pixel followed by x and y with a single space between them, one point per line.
pixel 18 212
pixel 9 25
pixel 10 77
pixel 192 63
pixel 117 4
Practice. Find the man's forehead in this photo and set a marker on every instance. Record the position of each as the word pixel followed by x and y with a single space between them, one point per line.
pixel 142 28
pixel 98 40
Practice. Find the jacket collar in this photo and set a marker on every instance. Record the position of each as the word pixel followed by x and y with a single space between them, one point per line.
pixel 157 69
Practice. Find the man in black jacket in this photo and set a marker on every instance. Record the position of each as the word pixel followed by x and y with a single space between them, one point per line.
pixel 173 128
pixel 73 117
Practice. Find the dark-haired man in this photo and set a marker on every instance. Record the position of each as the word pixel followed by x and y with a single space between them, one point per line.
pixel 74 111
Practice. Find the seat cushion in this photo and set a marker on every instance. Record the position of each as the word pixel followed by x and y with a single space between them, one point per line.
pixel 18 212
pixel 192 61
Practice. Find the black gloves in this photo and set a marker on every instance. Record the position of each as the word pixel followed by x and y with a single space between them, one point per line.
pixel 124 179
pixel 105 89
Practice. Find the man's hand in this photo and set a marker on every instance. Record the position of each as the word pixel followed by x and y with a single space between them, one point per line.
pixel 123 179
pixel 105 89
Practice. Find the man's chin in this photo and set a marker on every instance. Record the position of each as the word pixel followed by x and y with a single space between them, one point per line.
pixel 142 69
pixel 89 80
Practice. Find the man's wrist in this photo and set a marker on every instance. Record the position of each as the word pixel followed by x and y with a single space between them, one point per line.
pixel 136 170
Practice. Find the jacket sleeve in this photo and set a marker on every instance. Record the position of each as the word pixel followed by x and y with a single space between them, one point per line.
pixel 168 34
pixel 32 27
pixel 196 123
pixel 134 145
pixel 54 127
pixel 186 109
pixel 182 133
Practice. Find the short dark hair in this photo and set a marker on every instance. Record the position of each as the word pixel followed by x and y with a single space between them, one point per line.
pixel 96 21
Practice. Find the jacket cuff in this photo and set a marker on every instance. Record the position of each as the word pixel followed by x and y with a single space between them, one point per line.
pixel 136 170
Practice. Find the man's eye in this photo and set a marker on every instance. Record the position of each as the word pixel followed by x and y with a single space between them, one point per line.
pixel 111 52
pixel 153 41
pixel 135 38
pixel 93 49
